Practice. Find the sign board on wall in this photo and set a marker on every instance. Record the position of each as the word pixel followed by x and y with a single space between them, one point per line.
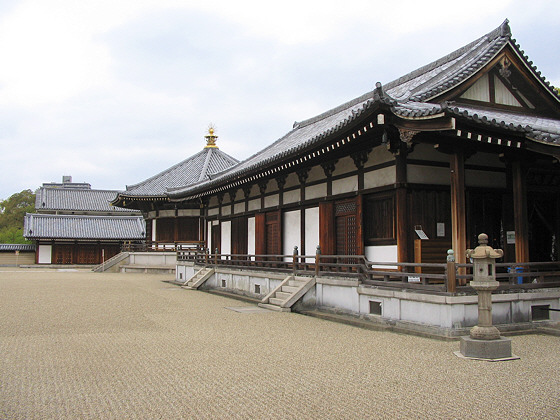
pixel 510 237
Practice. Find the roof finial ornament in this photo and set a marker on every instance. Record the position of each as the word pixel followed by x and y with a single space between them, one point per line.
pixel 211 137
pixel 505 30
pixel 378 92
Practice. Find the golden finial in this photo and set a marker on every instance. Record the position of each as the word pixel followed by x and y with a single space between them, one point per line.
pixel 210 138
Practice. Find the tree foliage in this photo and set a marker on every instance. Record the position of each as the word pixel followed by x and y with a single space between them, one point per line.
pixel 12 213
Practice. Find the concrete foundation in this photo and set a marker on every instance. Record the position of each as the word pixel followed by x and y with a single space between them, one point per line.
pixel 486 349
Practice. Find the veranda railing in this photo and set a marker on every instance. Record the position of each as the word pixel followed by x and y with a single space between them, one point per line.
pixel 449 277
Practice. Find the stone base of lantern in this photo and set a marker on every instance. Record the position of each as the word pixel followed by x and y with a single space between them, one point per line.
pixel 495 350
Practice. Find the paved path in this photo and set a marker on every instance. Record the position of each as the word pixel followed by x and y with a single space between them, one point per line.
pixel 81 345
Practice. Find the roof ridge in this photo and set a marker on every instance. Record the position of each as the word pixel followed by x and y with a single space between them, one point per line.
pixel 501 31
pixel 492 35
pixel 205 165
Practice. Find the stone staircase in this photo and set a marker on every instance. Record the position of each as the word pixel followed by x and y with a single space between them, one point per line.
pixel 111 262
pixel 199 278
pixel 287 293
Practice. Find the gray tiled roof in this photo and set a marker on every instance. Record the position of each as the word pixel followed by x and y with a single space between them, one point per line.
pixel 408 97
pixel 75 199
pixel 16 247
pixel 191 170
pixel 51 226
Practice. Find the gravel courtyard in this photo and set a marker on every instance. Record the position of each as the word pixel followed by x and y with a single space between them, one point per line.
pixel 82 345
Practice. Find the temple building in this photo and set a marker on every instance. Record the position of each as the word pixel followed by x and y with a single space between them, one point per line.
pixel 167 222
pixel 75 224
pixel 364 200
pixel 466 144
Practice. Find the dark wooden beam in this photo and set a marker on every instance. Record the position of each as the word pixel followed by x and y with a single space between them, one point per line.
pixel 402 208
pixel 458 212
pixel 521 219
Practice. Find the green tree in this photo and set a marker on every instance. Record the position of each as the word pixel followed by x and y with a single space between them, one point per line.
pixel 12 213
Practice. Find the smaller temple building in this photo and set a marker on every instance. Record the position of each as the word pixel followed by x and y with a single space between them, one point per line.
pixel 171 223
pixel 75 224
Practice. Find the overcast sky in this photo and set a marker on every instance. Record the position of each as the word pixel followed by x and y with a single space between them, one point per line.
pixel 113 92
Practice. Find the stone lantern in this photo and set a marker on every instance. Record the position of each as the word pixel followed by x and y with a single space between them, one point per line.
pixel 484 282
pixel 485 341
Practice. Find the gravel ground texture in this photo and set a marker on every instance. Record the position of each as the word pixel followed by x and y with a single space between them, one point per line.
pixel 83 345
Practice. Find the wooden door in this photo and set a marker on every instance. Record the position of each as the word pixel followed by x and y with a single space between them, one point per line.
pixel 348 227
pixel 216 239
pixel 239 235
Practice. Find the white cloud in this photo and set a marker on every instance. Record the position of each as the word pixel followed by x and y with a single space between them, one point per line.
pixel 114 91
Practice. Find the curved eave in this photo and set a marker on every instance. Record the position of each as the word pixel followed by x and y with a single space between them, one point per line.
pixel 122 199
pixel 289 158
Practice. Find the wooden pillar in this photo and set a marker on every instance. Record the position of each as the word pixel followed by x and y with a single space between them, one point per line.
pixel 262 188
pixel 402 208
pixel 521 219
pixel 458 212
pixel 328 169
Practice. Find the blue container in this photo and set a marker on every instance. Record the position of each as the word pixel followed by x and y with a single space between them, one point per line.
pixel 517 270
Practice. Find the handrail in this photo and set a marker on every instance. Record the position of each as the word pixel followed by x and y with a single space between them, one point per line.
pixel 426 276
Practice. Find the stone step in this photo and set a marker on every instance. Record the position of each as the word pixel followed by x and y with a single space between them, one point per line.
pixel 276 301
pixel 273 307
pixel 290 289
pixel 282 295
pixel 296 283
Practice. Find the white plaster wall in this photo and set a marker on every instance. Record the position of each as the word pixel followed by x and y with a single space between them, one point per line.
pixel 188 212
pixel 167 213
pixel 226 237
pixel 311 230
pixel 380 178
pixel 226 210
pixel 291 235
pixel 213 212
pixel 271 200
pixel 154 230
pixel 255 204
pixel 45 254
pixel 344 165
pixel 239 208
pixel 378 155
pixel 291 180
pixel 209 235
pixel 316 191
pixel 382 253
pixel 213 202
pixel 291 196
pixel 251 236
pixel 315 174
pixel 427 152
pixel 343 185
pixel 428 175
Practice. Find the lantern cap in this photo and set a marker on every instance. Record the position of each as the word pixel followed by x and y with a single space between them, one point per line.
pixel 483 250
